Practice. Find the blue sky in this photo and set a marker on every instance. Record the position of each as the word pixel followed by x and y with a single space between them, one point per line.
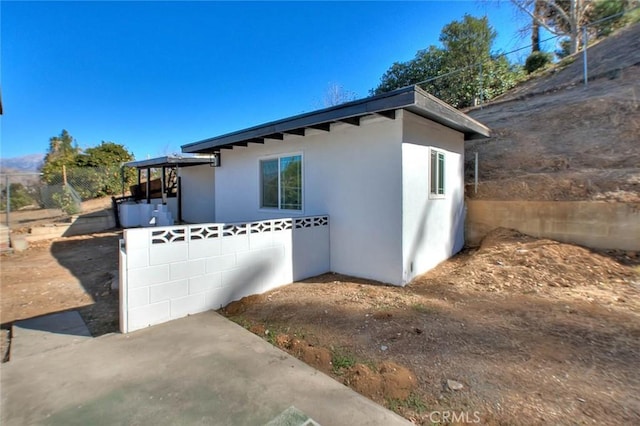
pixel 156 75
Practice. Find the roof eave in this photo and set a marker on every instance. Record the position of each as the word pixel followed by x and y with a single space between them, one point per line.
pixel 411 98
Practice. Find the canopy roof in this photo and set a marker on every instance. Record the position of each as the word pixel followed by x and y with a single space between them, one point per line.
pixel 169 161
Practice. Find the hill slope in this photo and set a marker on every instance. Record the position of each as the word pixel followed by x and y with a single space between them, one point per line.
pixel 555 139
pixel 24 164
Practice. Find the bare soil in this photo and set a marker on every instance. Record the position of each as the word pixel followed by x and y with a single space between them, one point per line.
pixel 22 220
pixel 63 274
pixel 534 330
pixel 555 139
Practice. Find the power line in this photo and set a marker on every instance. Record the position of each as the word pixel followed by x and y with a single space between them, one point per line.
pixel 479 64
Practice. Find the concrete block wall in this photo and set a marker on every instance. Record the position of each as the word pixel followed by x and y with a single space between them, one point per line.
pixel 171 272
pixel 588 223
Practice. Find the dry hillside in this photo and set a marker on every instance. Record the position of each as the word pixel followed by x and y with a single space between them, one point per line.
pixel 555 139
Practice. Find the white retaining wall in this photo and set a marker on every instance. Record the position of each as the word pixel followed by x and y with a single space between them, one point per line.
pixel 171 272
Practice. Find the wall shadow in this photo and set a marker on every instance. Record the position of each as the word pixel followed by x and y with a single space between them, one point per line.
pixel 93 260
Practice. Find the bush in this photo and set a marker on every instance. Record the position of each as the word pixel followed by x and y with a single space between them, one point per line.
pixel 537 60
pixel 68 200
pixel 21 196
pixel 603 9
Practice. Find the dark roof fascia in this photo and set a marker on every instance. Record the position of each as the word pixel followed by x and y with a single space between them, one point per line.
pixel 411 98
pixel 169 162
pixel 441 112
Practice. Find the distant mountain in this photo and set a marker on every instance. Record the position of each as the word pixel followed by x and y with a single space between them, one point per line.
pixel 24 164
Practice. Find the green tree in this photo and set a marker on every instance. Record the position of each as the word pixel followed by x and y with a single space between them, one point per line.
pixel 21 196
pixel 426 64
pixel 603 9
pixel 98 170
pixel 63 151
pixel 462 72
pixel 94 172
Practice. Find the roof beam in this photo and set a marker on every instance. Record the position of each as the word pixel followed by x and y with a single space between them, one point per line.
pixel 299 132
pixel 321 126
pixel 389 114
pixel 255 140
pixel 354 121
pixel 278 136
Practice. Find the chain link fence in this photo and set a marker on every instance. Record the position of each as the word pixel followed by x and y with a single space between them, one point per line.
pixel 26 198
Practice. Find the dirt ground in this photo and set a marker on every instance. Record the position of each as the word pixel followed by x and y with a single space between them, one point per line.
pixel 533 331
pixel 63 274
pixel 555 139
pixel 518 331
pixel 22 220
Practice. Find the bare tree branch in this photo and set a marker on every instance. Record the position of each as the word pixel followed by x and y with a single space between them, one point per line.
pixel 536 18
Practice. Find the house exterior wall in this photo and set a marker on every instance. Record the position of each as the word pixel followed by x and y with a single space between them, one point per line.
pixel 432 228
pixel 352 173
pixel 198 197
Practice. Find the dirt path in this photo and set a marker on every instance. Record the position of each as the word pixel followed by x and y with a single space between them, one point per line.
pixel 535 331
pixel 62 274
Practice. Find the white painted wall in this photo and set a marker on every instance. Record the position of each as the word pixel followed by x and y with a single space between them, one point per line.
pixel 171 272
pixel 198 197
pixel 140 214
pixel 432 229
pixel 352 173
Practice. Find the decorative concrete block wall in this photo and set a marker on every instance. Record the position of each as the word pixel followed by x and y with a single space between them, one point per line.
pixel 171 272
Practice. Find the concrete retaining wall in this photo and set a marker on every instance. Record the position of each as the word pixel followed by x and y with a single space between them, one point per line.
pixel 77 225
pixel 591 224
pixel 171 272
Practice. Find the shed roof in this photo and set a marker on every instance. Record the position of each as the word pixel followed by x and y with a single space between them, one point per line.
pixel 169 161
pixel 411 98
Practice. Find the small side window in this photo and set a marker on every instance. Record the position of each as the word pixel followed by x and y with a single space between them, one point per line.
pixel 437 173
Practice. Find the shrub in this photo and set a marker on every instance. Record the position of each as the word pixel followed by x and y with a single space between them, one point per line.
pixel 537 60
pixel 68 200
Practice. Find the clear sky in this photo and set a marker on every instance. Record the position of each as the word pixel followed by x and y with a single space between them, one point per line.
pixel 156 75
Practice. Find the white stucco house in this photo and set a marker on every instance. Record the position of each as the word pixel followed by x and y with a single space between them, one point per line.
pixel 371 188
pixel 387 170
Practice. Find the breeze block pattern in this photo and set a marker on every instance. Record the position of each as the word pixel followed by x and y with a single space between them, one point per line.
pixel 171 272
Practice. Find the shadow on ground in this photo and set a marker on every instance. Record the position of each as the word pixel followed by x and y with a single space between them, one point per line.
pixel 93 260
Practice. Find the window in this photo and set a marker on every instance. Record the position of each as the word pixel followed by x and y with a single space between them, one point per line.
pixel 437 173
pixel 281 183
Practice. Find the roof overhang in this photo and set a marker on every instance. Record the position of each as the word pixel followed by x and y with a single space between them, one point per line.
pixel 169 161
pixel 411 98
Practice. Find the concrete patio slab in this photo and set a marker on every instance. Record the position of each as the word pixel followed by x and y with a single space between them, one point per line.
pixel 48 332
pixel 201 369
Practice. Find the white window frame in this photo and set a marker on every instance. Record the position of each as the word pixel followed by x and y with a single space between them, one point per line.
pixel 437 152
pixel 278 157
